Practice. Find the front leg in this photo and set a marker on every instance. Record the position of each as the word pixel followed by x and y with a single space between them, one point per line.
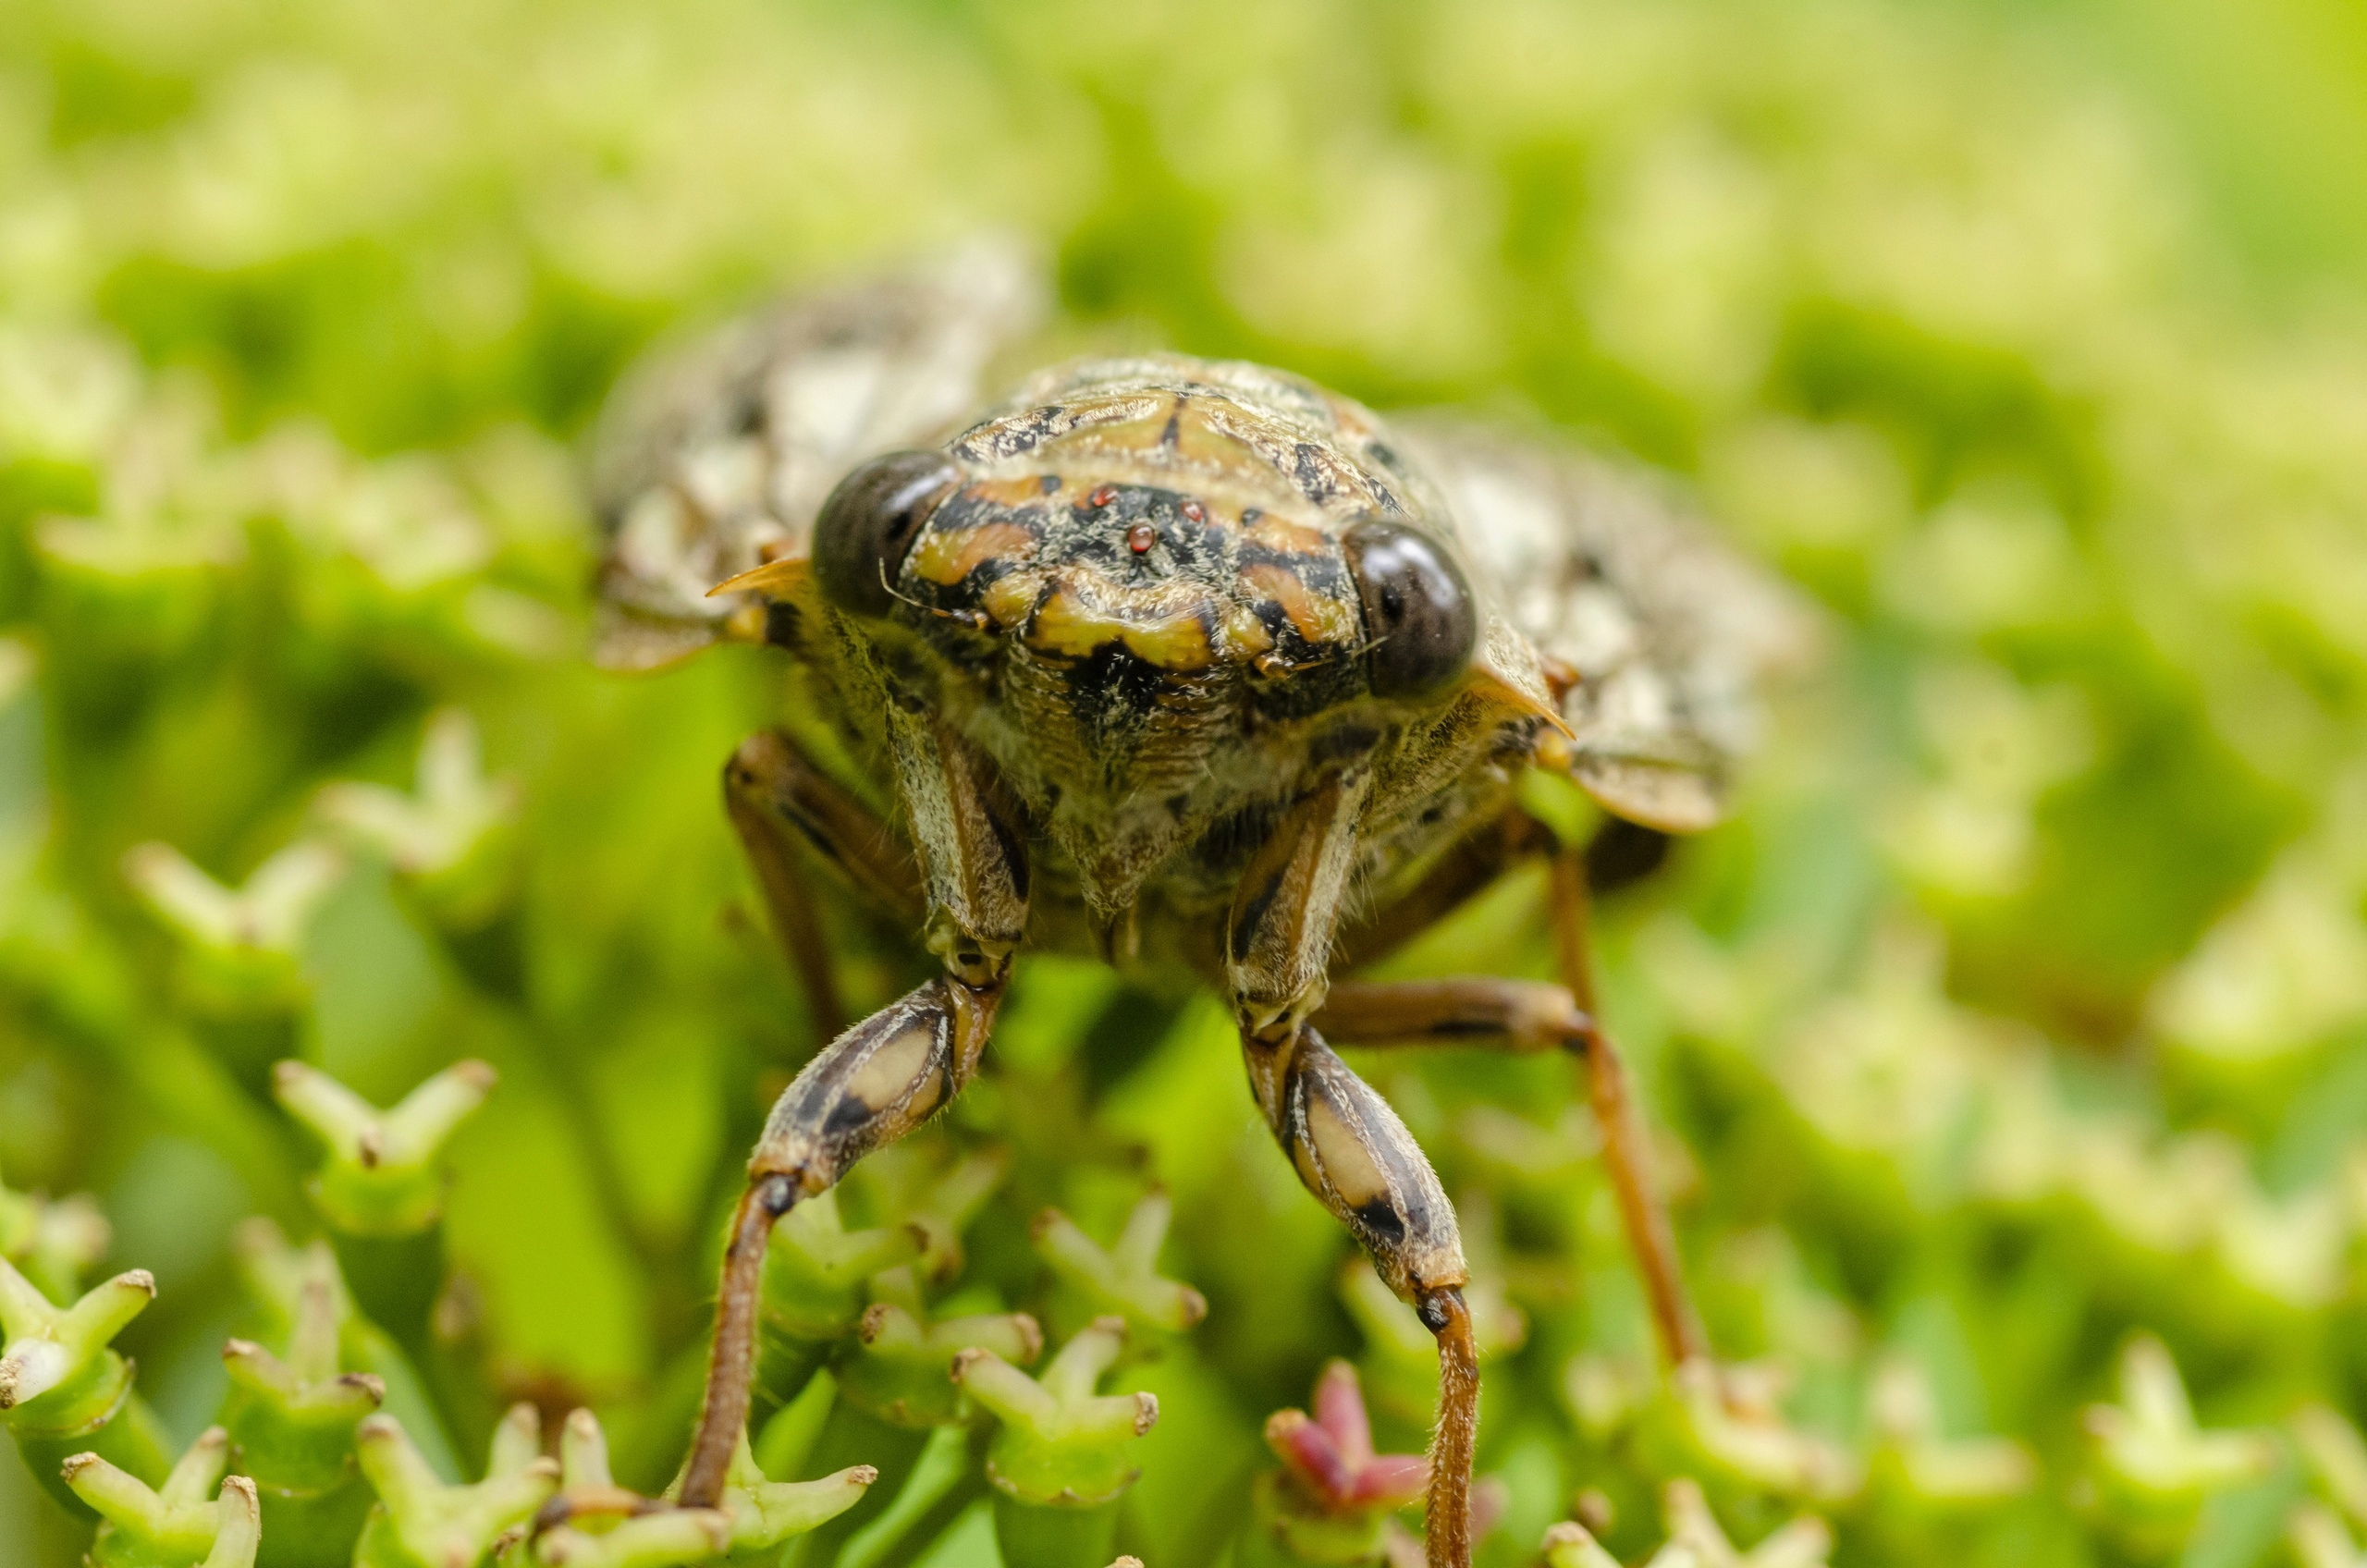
pixel 885 1076
pixel 1346 1144
pixel 1357 1157
pixel 869 1088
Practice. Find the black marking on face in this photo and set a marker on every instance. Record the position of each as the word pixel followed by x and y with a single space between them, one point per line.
pixel 964 512
pixel 1139 532
pixel 782 624
pixel 1040 424
pixel 1112 691
pixel 1323 571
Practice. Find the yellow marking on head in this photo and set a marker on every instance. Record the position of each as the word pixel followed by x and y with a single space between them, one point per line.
pixel 1009 599
pixel 1243 635
pixel 1066 624
pixel 1209 457
pixel 1014 492
pixel 948 557
pixel 1280 534
pixel 1322 621
pixel 784 574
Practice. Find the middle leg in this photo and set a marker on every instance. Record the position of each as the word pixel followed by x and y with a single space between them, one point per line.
pixel 794 821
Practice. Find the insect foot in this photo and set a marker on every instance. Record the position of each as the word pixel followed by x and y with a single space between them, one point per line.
pixel 1062 1457
pixel 422 1521
pixel 64 1390
pixel 868 1088
pixel 168 1527
pixel 1333 1499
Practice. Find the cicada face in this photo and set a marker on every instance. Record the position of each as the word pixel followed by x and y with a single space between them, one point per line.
pixel 1154 595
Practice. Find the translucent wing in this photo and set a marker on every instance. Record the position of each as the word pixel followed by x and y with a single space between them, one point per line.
pixel 715 457
pixel 1659 633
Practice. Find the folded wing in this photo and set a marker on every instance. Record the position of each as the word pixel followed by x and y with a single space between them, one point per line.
pixel 715 457
pixel 1656 634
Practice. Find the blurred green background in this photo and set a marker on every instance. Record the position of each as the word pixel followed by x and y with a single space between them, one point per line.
pixel 2023 1009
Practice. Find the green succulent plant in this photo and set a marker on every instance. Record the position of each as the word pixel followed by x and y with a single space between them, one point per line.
pixel 381 991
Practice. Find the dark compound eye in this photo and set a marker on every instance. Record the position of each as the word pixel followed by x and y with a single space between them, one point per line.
pixel 867 525
pixel 1418 614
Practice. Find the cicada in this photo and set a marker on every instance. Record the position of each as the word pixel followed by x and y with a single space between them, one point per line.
pixel 1189 665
